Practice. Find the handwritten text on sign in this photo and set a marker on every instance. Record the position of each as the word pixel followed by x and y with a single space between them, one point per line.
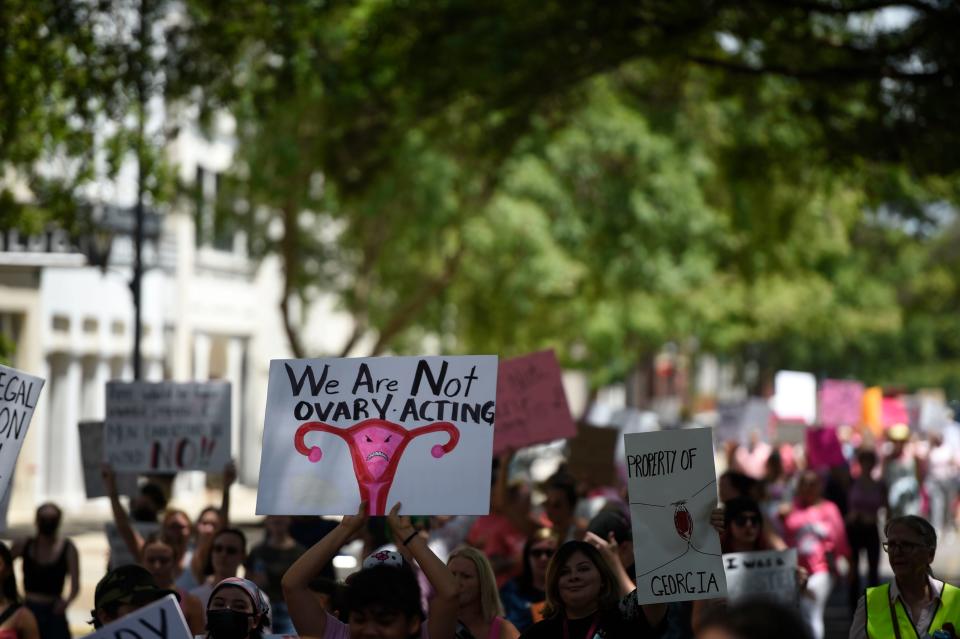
pixel 418 430
pixel 672 484
pixel 18 399
pixel 531 403
pixel 167 426
pixel 160 620
pixel 768 573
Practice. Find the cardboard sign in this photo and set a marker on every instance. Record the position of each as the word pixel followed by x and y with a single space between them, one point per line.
pixel 120 555
pixel 673 489
pixel 415 430
pixel 791 432
pixel 160 620
pixel 795 396
pixel 822 448
pixel 167 426
pixel 91 458
pixel 738 421
pixel 531 404
pixel 591 455
pixel 18 399
pixel 769 574
pixel 841 402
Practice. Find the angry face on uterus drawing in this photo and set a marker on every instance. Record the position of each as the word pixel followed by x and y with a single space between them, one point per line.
pixel 380 430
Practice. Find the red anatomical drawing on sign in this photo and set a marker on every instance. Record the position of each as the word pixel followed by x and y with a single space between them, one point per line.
pixel 682 520
pixel 376 446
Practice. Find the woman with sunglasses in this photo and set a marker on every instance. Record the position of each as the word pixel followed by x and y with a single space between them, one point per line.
pixel 743 526
pixel 914 604
pixel 523 597
pixel 237 610
pixel 228 550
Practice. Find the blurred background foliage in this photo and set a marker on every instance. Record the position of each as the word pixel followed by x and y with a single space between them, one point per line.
pixel 772 181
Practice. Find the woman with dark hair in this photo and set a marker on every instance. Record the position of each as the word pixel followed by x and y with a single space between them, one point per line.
pixel 48 559
pixel 228 551
pixel 763 619
pixel 865 499
pixel 523 597
pixel 584 599
pixel 237 610
pixel 743 526
pixel 16 620
pixel 382 600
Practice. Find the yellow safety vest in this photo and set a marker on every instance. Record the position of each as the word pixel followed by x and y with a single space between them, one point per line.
pixel 881 611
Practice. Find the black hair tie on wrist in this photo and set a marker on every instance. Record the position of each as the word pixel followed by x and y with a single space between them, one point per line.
pixel 412 535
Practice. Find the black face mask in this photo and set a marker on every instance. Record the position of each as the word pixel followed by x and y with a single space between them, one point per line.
pixel 143 513
pixel 47 527
pixel 228 624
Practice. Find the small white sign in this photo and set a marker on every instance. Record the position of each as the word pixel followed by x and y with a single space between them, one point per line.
pixel 770 574
pixel 673 489
pixel 18 399
pixel 167 427
pixel 91 458
pixel 795 396
pixel 415 430
pixel 160 620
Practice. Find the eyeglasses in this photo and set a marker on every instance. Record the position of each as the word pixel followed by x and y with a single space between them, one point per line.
pixel 901 546
pixel 540 553
pixel 743 520
pixel 230 550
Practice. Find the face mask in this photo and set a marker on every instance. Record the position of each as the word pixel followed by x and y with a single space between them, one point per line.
pixel 228 624
pixel 143 513
pixel 47 527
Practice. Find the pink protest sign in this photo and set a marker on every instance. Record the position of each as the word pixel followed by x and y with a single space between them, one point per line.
pixel 841 402
pixel 894 411
pixel 822 448
pixel 531 405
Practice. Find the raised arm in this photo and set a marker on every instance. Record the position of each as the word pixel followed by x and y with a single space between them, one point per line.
pixel 127 532
pixel 442 622
pixel 301 603
pixel 229 477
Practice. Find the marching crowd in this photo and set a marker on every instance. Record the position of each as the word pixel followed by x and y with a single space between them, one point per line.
pixel 562 569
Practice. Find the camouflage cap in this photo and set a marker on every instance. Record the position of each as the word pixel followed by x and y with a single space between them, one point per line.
pixel 130 584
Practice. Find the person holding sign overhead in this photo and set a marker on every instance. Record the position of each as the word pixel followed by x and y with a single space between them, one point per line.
pixel 585 599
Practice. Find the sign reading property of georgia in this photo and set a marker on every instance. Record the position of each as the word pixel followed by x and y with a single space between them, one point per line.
pixel 18 399
pixel 415 430
pixel 673 490
pixel 167 426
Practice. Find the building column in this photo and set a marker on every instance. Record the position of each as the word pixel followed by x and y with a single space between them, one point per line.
pixel 201 357
pixel 64 479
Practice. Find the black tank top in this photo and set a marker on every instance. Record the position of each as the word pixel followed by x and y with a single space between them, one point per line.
pixel 44 579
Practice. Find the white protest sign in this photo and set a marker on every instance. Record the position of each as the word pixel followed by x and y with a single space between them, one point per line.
pixel 18 399
pixel 673 489
pixel 167 426
pixel 91 458
pixel 770 574
pixel 120 555
pixel 162 619
pixel 415 430
pixel 795 396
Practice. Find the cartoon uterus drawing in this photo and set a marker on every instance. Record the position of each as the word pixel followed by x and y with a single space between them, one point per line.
pixel 376 446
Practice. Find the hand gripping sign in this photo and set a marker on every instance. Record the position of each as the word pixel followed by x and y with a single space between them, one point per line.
pixel 376 446
pixel 380 430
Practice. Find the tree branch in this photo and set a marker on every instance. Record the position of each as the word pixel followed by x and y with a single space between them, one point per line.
pixel 402 317
pixel 290 254
pixel 821 74
pixel 861 7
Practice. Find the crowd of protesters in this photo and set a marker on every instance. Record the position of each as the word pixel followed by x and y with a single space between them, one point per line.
pixel 561 567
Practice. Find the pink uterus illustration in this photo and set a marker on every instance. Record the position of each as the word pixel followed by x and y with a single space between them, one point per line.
pixel 376 446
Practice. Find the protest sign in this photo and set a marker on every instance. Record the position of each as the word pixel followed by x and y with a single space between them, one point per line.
pixel 673 489
pixel 162 619
pixel 739 421
pixel 167 426
pixel 795 396
pixel 770 574
pixel 873 410
pixel 415 430
pixel 18 399
pixel 790 432
pixel 893 411
pixel 841 402
pixel 932 413
pixel 591 455
pixel 531 404
pixel 120 555
pixel 91 458
pixel 822 448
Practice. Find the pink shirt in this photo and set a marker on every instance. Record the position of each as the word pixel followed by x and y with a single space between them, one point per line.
pixel 816 531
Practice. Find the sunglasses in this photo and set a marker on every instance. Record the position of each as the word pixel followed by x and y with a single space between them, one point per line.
pixel 743 520
pixel 230 550
pixel 900 546
pixel 540 553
